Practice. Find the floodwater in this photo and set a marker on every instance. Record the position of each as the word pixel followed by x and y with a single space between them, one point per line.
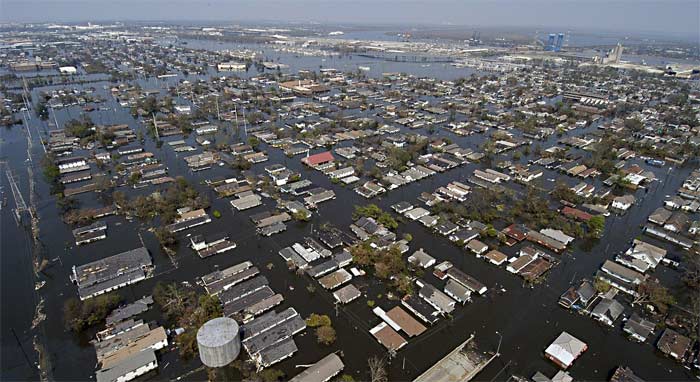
pixel 524 320
pixel 344 63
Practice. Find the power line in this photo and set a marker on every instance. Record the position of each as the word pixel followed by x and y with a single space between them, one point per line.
pixel 20 204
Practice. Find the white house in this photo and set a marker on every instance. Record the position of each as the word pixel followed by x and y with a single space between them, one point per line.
pixel 422 259
pixel 68 70
pixel 623 203
pixel 183 109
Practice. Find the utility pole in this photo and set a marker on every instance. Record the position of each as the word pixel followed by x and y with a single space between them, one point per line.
pixel 29 127
pixel 54 117
pixel 500 338
pixel 245 125
pixel 25 95
pixel 235 114
pixel 26 123
pixel 20 205
pixel 155 126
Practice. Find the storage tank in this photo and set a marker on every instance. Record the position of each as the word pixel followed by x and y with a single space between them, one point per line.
pixel 219 342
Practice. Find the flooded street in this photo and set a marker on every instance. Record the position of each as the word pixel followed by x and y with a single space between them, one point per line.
pixel 522 319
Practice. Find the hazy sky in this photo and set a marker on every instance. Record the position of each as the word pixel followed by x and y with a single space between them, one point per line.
pixel 678 17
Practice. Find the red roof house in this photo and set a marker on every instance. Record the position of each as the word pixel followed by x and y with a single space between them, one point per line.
pixel 318 159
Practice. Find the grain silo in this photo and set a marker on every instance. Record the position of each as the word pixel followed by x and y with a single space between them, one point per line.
pixel 219 342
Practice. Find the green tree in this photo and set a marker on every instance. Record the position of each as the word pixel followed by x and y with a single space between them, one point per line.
pixel 301 216
pixel 253 141
pixel 373 211
pixel 596 225
pixel 80 315
pixel 50 169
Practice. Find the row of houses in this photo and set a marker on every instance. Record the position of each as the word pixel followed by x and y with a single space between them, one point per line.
pixel 113 272
pixel 126 348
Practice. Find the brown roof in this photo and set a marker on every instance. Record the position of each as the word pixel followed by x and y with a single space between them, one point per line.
pixel 149 340
pixel 496 256
pixel 388 336
pixel 407 323
pixel 673 343
pixel 514 232
pixel 535 269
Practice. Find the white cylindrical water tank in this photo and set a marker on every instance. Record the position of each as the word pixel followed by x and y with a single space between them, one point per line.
pixel 219 342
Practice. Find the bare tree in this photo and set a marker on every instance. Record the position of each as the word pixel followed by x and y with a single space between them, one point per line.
pixel 652 292
pixel 377 369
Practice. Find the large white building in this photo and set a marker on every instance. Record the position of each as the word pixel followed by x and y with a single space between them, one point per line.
pixel 68 70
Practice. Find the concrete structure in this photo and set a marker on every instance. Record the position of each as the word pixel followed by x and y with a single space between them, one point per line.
pixel 613 56
pixel 461 364
pixel 218 342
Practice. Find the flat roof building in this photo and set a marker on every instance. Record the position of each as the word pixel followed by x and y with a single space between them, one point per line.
pixel 112 273
pixel 322 371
